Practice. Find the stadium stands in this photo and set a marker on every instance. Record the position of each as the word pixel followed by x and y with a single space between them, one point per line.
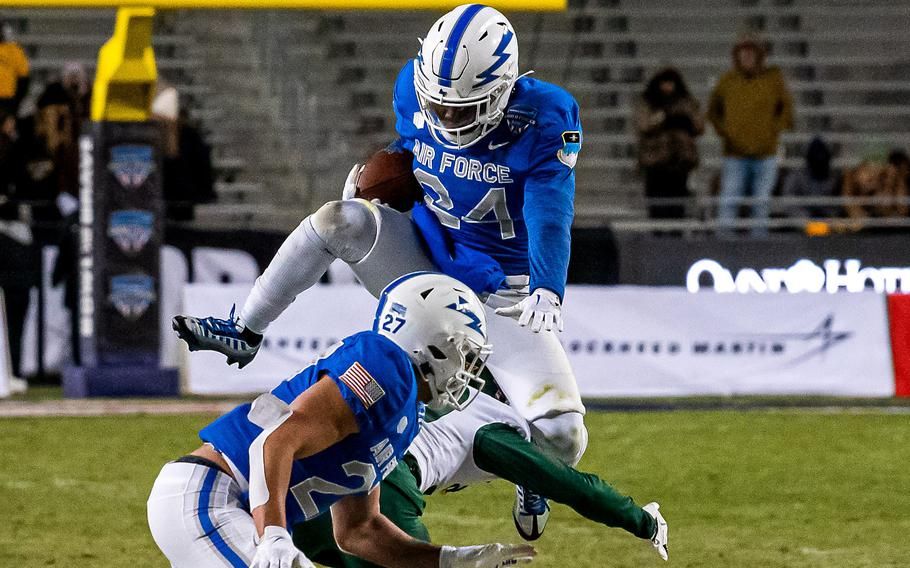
pixel 851 92
pixel 291 99
pixel 237 121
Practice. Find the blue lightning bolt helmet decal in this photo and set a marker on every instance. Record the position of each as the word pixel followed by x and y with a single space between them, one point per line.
pixel 487 75
pixel 462 308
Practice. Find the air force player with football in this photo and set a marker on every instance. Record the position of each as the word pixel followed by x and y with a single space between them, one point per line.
pixel 494 152
pixel 326 438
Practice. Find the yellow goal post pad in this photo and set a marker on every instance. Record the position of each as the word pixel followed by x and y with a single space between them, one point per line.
pixel 126 76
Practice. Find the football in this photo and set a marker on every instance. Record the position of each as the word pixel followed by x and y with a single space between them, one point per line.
pixel 389 177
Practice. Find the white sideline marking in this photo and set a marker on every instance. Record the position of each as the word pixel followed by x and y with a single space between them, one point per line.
pixel 111 407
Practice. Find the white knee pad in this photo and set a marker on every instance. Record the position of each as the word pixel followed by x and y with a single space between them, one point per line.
pixel 347 228
pixel 562 436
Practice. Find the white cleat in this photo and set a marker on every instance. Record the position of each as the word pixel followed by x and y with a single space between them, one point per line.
pixel 221 335
pixel 530 513
pixel 659 540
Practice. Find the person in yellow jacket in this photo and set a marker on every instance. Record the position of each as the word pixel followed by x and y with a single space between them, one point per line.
pixel 14 72
pixel 749 108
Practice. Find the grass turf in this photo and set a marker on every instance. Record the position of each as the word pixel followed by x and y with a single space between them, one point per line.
pixel 758 489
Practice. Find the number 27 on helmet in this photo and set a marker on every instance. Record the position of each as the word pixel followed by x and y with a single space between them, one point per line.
pixel 441 324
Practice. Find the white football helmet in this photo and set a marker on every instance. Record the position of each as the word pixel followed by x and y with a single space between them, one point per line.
pixel 464 74
pixel 440 322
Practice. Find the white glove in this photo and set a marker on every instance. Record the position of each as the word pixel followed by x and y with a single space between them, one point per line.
pixel 276 550
pixel 541 309
pixel 486 555
pixel 350 184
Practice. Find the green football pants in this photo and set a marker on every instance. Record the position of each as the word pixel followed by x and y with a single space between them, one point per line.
pixel 500 450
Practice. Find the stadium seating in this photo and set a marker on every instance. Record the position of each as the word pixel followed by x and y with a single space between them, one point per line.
pixel 290 99
pixel 852 92
pixel 234 119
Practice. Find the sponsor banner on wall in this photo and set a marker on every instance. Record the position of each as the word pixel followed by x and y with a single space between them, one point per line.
pixel 633 341
pixel 625 341
pixel 314 322
pixel 780 262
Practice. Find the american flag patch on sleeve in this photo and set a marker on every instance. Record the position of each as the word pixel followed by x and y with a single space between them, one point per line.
pixel 363 384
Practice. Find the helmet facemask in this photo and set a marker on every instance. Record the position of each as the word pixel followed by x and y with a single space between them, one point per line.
pixel 476 116
pixel 451 368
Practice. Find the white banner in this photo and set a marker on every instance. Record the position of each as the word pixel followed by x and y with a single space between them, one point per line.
pixel 316 320
pixel 623 341
pixel 635 341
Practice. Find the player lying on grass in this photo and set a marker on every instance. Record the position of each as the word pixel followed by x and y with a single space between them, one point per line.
pixel 485 441
pixel 325 439
pixel 495 153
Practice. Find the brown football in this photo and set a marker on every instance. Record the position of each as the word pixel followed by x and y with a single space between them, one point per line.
pixel 389 177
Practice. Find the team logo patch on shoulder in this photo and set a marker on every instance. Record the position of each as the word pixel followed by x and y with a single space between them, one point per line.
pixel 363 385
pixel 520 117
pixel 571 145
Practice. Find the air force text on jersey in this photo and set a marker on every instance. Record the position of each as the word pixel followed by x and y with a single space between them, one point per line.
pixel 461 167
pixel 509 197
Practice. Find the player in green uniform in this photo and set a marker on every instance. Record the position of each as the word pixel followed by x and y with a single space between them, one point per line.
pixel 485 441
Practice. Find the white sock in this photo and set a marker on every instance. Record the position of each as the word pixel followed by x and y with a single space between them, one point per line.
pixel 299 263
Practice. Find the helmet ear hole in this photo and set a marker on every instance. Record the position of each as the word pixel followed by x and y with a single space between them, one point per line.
pixel 436 352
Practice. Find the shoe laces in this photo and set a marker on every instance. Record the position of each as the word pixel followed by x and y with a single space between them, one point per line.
pixel 531 502
pixel 223 326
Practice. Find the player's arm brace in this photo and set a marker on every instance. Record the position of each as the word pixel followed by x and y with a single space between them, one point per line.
pixel 499 449
pixel 318 418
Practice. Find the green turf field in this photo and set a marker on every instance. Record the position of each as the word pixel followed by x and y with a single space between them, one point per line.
pixel 758 489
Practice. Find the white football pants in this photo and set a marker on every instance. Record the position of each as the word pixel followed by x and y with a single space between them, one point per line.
pixel 532 369
pixel 381 244
pixel 197 518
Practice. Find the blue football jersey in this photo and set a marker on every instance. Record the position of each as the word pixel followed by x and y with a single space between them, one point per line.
pixel 378 382
pixel 511 194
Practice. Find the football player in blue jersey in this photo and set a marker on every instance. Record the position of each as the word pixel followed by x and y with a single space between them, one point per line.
pixel 485 441
pixel 495 152
pixel 326 438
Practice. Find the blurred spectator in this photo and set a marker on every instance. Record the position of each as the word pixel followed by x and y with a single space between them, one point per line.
pixel 74 91
pixel 668 121
pixel 886 182
pixel 899 164
pixel 18 257
pixel 815 179
pixel 14 72
pixel 61 110
pixel 7 159
pixel 76 83
pixel 48 158
pixel 187 166
pixel 749 108
pixel 165 110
